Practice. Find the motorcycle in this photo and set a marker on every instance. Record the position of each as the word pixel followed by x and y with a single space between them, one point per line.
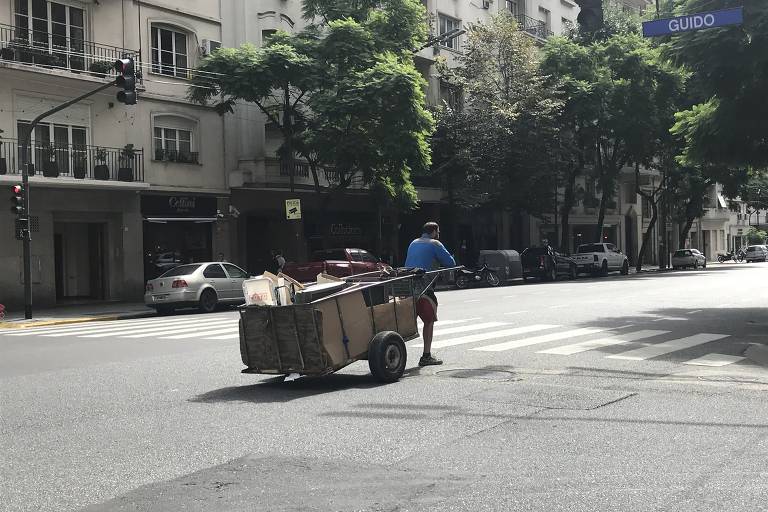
pixel 722 258
pixel 466 277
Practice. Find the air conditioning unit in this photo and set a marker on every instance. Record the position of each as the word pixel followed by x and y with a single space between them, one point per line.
pixel 209 46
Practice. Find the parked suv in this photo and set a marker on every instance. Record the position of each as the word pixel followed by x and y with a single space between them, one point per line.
pixel 547 264
pixel 757 253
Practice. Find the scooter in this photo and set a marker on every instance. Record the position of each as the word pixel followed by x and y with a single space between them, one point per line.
pixel 722 258
pixel 466 278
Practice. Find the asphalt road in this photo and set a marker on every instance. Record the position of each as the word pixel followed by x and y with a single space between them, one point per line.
pixel 616 393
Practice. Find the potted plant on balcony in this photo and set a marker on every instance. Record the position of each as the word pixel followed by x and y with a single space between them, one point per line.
pixel 50 166
pixel 101 171
pixel 100 68
pixel 7 53
pixel 3 164
pixel 159 154
pixel 127 161
pixel 184 157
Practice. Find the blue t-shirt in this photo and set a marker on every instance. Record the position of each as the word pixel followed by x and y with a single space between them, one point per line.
pixel 425 251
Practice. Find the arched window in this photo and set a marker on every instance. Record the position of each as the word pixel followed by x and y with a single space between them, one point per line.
pixel 170 51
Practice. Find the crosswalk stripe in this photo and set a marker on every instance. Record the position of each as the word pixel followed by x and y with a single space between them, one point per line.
pixel 147 333
pixel 232 336
pixel 449 322
pixel 116 327
pixel 491 335
pixel 508 345
pixel 468 328
pixel 99 325
pixel 667 347
pixel 575 348
pixel 203 334
pixel 715 360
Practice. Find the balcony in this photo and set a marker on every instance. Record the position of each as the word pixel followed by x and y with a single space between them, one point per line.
pixel 275 174
pixel 532 26
pixel 44 49
pixel 74 161
pixel 173 155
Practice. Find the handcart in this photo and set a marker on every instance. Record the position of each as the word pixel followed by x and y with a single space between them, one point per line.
pixel 371 319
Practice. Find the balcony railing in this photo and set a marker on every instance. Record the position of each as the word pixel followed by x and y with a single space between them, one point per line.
pixel 536 28
pixel 300 169
pixel 73 160
pixel 45 49
pixel 173 155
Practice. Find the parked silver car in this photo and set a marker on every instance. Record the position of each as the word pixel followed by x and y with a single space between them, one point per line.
pixel 757 253
pixel 202 285
pixel 688 258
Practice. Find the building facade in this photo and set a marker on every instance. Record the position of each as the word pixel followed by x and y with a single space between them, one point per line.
pixel 118 191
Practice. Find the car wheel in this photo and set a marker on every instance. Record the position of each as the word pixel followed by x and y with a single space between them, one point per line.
pixel 387 356
pixel 492 279
pixel 573 274
pixel 208 301
pixel 604 268
pixel 704 265
pixel 625 268
pixel 461 282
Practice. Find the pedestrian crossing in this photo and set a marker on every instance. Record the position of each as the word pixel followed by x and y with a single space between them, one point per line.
pixel 627 342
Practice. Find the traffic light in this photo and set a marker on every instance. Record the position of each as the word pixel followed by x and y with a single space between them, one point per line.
pixel 590 17
pixel 126 79
pixel 17 200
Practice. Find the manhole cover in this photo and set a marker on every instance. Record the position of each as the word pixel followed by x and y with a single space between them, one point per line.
pixel 478 374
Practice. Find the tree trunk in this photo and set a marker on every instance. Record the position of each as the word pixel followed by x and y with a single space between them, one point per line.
pixel 568 201
pixel 288 129
pixel 684 232
pixel 647 234
pixel 601 216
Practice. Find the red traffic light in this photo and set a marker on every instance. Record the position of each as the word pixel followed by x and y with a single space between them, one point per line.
pixel 17 189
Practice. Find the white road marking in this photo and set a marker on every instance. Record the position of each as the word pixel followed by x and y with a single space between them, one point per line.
pixel 203 334
pixel 491 335
pixel 559 306
pixel 116 327
pixel 729 304
pixel 667 347
pixel 449 322
pixel 473 300
pixel 671 318
pixel 499 347
pixel 515 312
pixel 178 330
pixel 575 348
pixel 468 328
pixel 694 311
pixel 715 360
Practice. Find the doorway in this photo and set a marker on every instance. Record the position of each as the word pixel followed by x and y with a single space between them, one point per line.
pixel 79 261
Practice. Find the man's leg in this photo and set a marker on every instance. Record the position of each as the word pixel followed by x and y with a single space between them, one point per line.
pixel 426 335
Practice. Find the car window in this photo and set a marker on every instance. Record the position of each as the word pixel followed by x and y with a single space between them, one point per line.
pixel 355 255
pixel 235 272
pixel 590 248
pixel 330 254
pixel 679 253
pixel 181 270
pixel 368 257
pixel 214 271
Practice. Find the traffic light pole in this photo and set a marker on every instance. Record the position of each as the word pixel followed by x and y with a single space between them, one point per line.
pixel 25 171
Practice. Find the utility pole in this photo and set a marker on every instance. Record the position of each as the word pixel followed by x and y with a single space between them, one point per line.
pixel 126 80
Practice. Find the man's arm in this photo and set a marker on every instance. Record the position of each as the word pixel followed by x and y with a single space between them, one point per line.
pixel 442 255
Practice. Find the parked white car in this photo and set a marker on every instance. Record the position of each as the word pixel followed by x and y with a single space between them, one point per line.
pixel 600 258
pixel 688 258
pixel 757 253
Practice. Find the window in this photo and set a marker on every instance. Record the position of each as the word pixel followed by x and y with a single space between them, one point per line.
pixel 368 257
pixel 446 25
pixel 181 270
pixel 512 7
pixel 55 28
pixel 174 140
pixel 169 52
pixel 214 272
pixel 546 16
pixel 64 144
pixel 235 272
pixel 355 255
pixel 266 34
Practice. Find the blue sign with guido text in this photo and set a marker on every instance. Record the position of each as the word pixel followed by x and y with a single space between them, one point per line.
pixel 700 21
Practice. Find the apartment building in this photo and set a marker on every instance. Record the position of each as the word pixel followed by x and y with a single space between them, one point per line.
pixel 118 191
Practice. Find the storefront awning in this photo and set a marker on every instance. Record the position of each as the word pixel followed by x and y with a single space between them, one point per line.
pixel 164 220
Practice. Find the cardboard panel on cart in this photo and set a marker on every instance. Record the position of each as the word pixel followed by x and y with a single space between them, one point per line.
pixel 405 322
pixel 357 326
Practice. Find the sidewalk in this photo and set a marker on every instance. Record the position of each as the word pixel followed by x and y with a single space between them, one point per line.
pixel 76 313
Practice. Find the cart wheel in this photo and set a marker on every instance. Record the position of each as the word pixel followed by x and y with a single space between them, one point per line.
pixel 387 356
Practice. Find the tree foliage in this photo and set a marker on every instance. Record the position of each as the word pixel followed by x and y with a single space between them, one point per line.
pixel 344 92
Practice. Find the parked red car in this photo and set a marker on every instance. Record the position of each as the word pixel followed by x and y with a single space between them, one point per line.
pixel 336 262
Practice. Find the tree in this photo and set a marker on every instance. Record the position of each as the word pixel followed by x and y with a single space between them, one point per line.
pixel 756 236
pixel 344 92
pixel 726 127
pixel 508 122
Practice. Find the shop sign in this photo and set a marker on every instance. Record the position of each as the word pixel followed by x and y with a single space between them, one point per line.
pixel 346 230
pixel 178 206
pixel 293 209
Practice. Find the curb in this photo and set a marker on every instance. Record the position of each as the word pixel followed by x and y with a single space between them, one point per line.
pixel 76 320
